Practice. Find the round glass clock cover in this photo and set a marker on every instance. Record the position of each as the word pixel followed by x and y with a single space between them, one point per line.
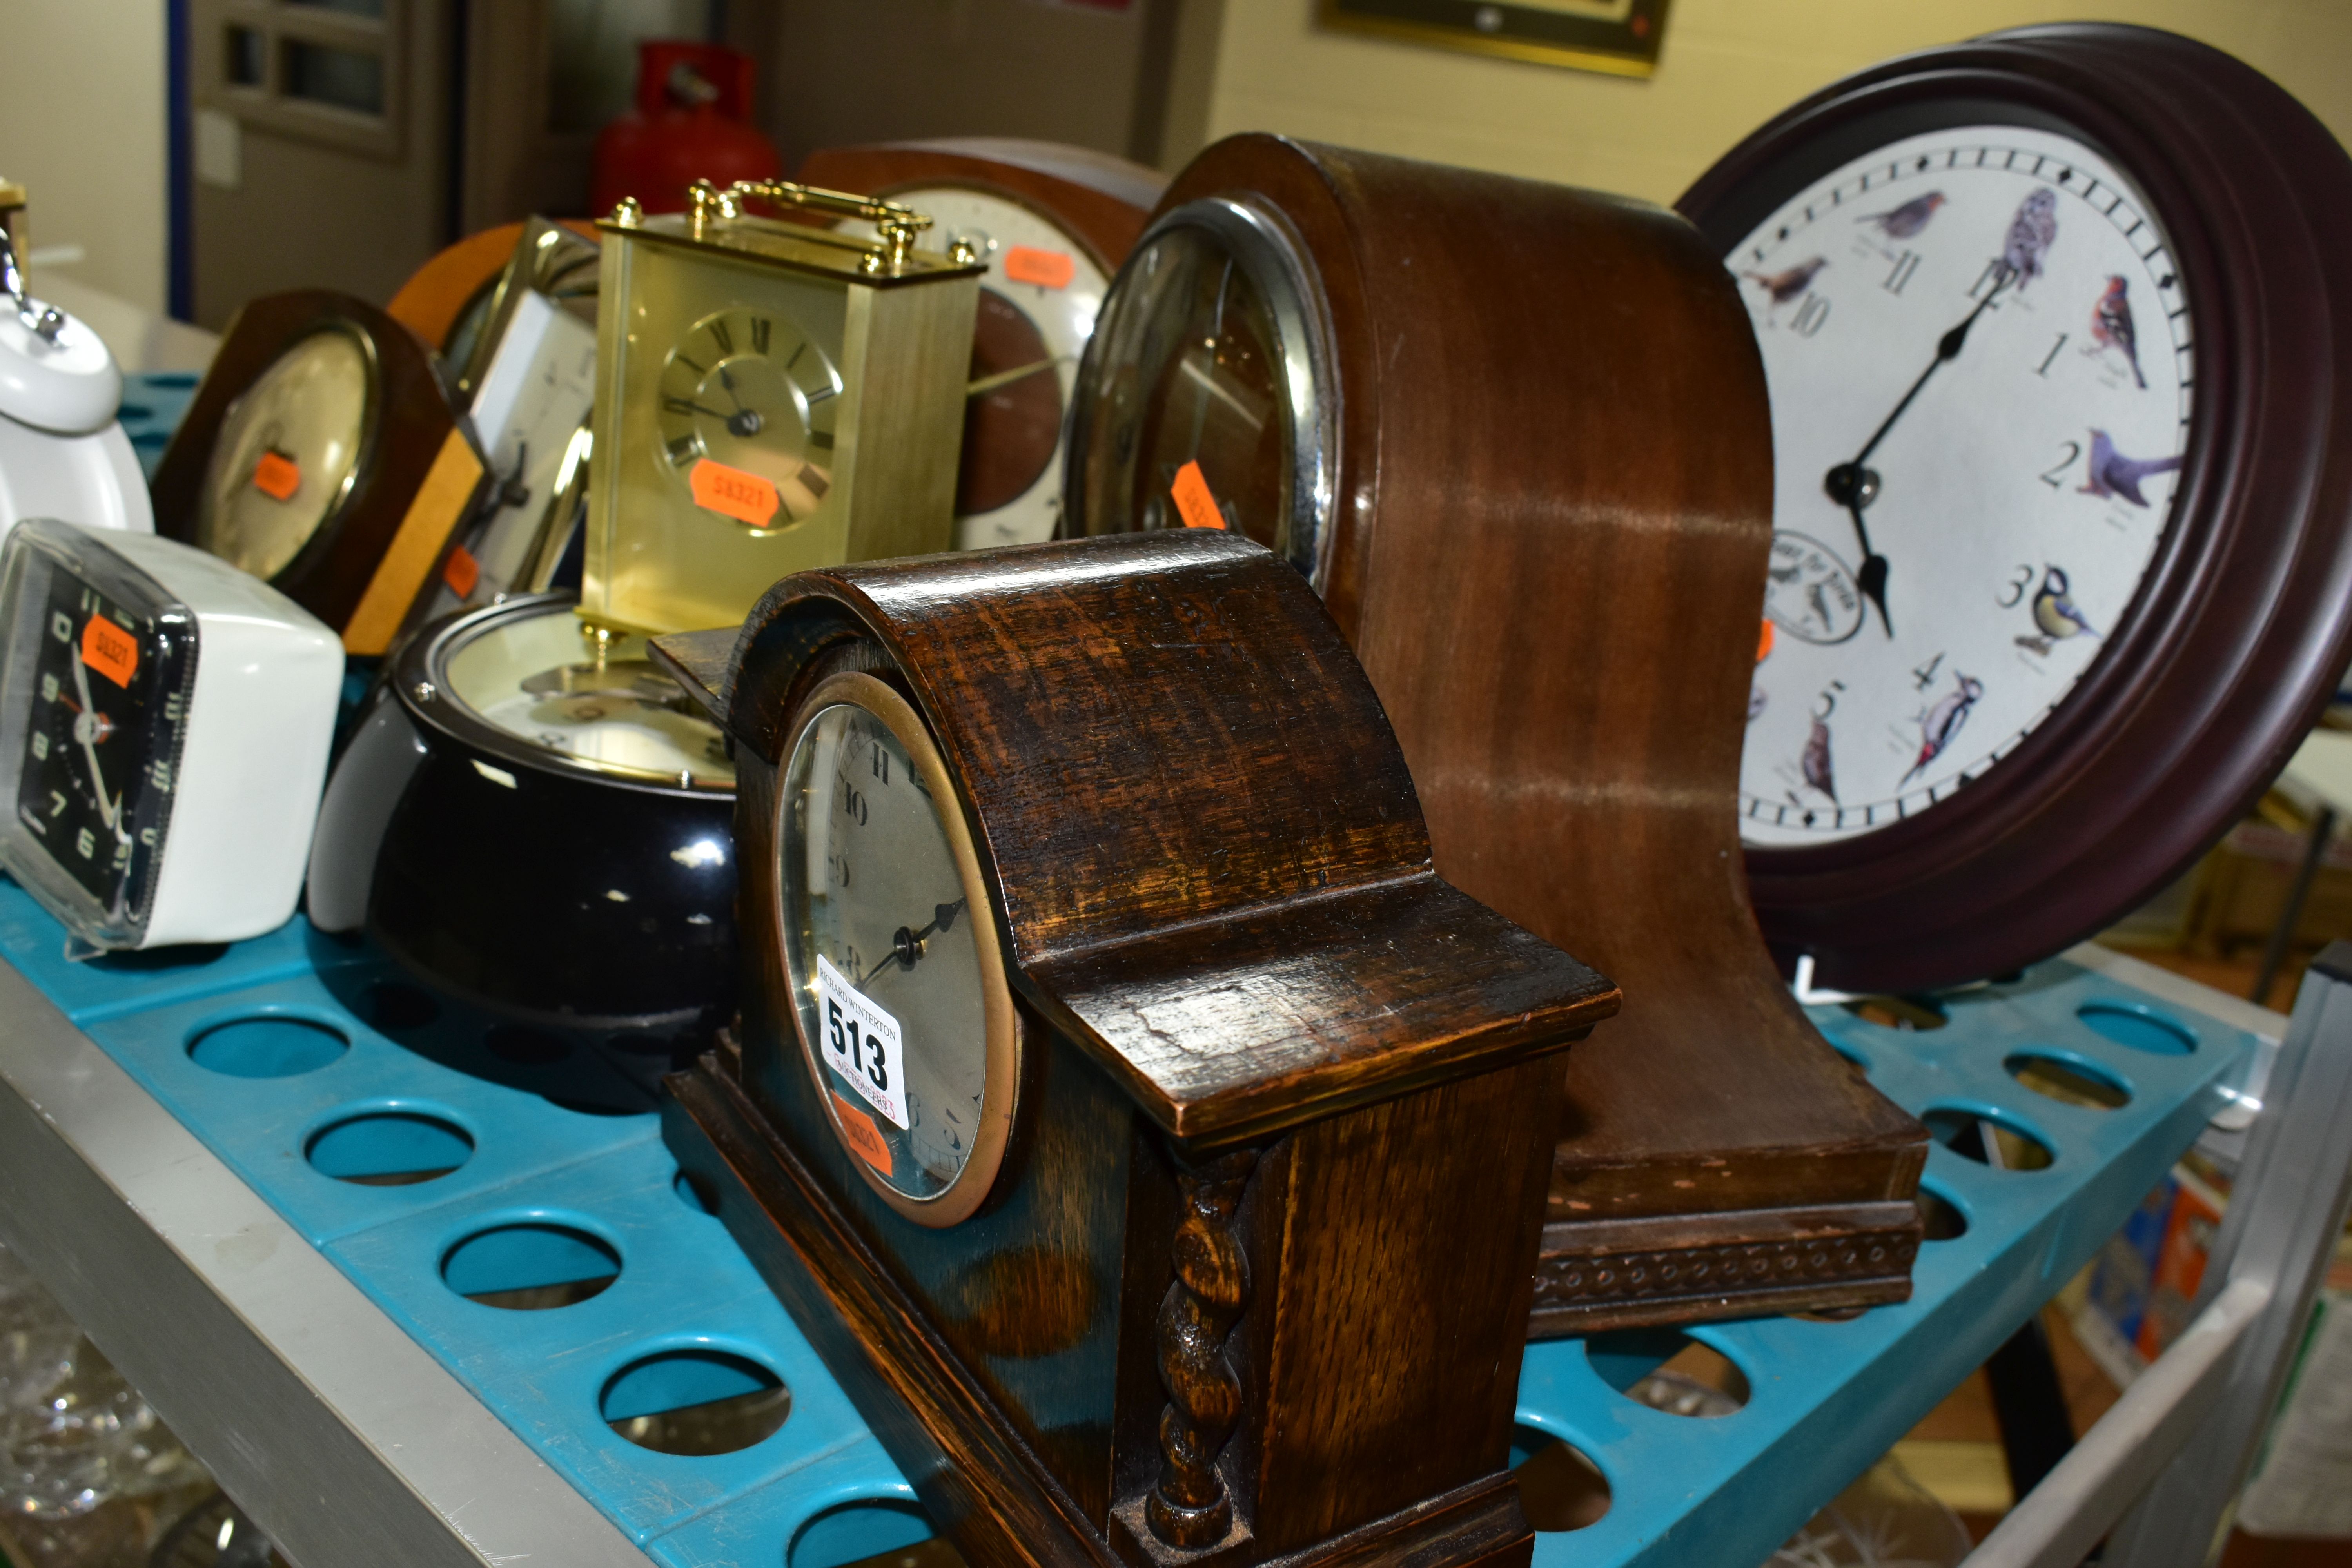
pixel 1037 309
pixel 1206 388
pixel 1978 350
pixel 288 450
pixel 894 979
pixel 532 677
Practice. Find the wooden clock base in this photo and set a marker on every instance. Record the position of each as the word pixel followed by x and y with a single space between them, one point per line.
pixel 986 1490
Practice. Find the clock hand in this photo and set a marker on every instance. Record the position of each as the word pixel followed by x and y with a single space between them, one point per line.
pixel 1854 487
pixel 905 945
pixel 1007 377
pixel 744 422
pixel 86 726
pixel 727 380
pixel 1217 334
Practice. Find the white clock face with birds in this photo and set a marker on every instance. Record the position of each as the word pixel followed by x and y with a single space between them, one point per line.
pixel 1979 353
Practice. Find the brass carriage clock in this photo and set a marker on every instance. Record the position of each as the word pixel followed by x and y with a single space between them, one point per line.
pixel 773 397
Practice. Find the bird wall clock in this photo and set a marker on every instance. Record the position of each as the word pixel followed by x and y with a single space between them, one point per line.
pixel 2057 331
pixel 1050 222
pixel 1459 405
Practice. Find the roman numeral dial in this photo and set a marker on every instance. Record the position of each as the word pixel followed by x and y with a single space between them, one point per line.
pixel 747 390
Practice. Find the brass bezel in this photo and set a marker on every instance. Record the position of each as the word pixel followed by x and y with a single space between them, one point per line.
pixel 962 1197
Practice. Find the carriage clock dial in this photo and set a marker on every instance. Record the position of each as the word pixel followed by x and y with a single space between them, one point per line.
pixel 1037 308
pixel 746 392
pixel 904 1012
pixel 1993 352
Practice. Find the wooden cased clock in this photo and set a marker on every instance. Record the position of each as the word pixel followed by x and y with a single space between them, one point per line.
pixel 2058 329
pixel 1153 1142
pixel 323 455
pixel 772 396
pixel 1050 222
pixel 1465 408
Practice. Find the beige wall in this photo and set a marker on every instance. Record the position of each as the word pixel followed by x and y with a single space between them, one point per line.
pixel 81 124
pixel 1728 66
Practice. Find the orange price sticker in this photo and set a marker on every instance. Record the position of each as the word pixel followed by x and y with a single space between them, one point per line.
pixel 1764 644
pixel 277 476
pixel 863 1135
pixel 109 650
pixel 731 492
pixel 1046 268
pixel 1194 504
pixel 462 572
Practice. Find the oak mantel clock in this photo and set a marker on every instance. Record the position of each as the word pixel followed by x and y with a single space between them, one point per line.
pixel 1107 1041
pixel 1050 222
pixel 2058 332
pixel 1462 406
pixel 771 397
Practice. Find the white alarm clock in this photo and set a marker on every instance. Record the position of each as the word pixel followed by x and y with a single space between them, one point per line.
pixel 165 724
pixel 62 454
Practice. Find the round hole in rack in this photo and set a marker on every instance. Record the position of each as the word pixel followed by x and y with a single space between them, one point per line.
pixel 531 1266
pixel 524 1045
pixel 1990 1138
pixel 885 1532
pixel 1668 1371
pixel 1559 1487
pixel 389 1147
pixel 695 1193
pixel 2069 1080
pixel 392 1007
pixel 695 1401
pixel 268 1047
pixel 1906 1014
pixel 2138 1028
pixel 1940 1219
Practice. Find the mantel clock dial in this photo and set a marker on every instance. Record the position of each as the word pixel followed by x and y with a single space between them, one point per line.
pixel 2017 329
pixel 773 397
pixel 1050 222
pixel 1101 1010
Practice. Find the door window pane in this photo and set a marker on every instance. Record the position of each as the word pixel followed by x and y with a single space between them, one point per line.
pixel 342 79
pixel 246 57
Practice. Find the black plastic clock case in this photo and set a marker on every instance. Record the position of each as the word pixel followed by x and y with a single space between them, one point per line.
pixel 2243 623
pixel 523 916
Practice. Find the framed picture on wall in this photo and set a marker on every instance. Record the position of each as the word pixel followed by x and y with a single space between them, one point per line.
pixel 1619 37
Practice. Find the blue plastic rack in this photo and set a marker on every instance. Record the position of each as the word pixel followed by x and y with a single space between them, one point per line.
pixel 248 1047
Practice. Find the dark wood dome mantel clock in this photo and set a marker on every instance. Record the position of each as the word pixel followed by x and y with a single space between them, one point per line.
pixel 1153 1144
pixel 2059 333
pixel 1462 406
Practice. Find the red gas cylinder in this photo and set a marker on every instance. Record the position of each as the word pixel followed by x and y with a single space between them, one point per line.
pixel 691 122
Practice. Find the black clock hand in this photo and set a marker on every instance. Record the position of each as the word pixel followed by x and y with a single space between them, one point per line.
pixel 1854 487
pixel 727 380
pixel 742 422
pixel 906 946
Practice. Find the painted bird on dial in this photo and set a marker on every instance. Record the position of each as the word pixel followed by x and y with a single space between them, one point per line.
pixel 1787 285
pixel 2111 326
pixel 1906 221
pixel 1816 761
pixel 2055 614
pixel 2031 234
pixel 2113 474
pixel 1940 724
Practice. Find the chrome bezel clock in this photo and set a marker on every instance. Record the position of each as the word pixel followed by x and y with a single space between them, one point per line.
pixel 2166 570
pixel 164 722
